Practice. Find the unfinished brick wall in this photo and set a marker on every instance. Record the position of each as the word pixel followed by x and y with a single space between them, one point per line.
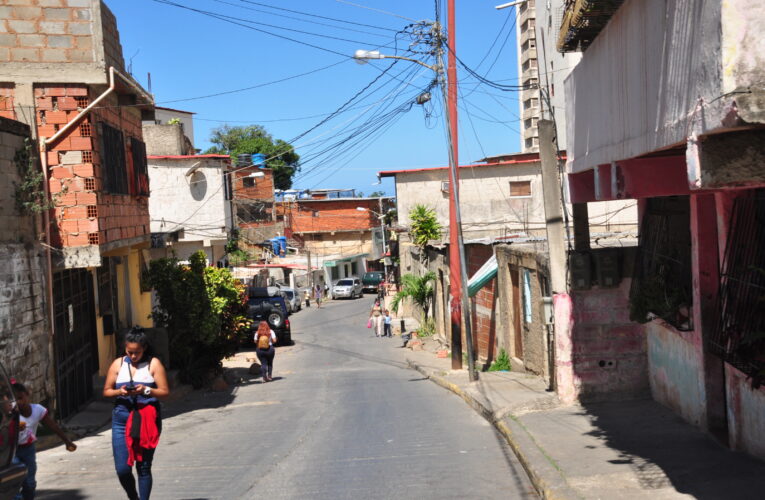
pixel 334 215
pixel 484 305
pixel 48 31
pixel 6 101
pixel 262 187
pixel 85 214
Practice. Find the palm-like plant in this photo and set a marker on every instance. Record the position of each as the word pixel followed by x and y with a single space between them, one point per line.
pixel 424 225
pixel 418 289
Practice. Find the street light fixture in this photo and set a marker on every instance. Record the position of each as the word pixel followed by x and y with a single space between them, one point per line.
pixel 362 56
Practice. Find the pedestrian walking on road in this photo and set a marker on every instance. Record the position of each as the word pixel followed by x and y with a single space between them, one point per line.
pixel 138 381
pixel 387 324
pixel 317 295
pixel 377 320
pixel 307 297
pixel 30 416
pixel 264 348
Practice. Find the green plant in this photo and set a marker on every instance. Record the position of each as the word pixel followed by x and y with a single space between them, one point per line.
pixel 427 328
pixel 203 310
pixel 238 257
pixel 174 121
pixel 418 289
pixel 423 225
pixel 29 194
pixel 502 363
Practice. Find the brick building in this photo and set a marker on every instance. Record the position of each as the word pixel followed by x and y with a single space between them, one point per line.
pixel 253 200
pixel 63 75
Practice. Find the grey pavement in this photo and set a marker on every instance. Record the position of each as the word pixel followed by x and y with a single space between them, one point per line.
pixel 624 449
pixel 344 418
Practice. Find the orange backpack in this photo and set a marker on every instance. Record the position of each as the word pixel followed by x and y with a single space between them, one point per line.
pixel 264 341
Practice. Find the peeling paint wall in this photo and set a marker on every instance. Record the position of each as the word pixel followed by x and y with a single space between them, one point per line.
pixel 746 414
pixel 675 368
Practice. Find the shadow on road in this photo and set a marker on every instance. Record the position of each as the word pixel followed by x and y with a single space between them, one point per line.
pixel 48 493
pixel 358 355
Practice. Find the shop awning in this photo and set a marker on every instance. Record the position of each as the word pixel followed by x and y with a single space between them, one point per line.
pixel 485 274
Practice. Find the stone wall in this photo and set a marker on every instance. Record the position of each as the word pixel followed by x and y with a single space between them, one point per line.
pixel 25 348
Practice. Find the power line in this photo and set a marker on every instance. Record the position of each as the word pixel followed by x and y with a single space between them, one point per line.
pixel 317 15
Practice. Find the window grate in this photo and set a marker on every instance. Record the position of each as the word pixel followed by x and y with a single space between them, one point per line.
pixel 140 169
pixel 661 284
pixel 113 160
pixel 740 334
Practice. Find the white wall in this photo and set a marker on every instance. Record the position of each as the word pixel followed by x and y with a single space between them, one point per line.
pixel 162 116
pixel 194 203
pixel 638 85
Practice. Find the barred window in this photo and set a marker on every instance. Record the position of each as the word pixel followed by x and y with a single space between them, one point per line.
pixel 140 169
pixel 113 162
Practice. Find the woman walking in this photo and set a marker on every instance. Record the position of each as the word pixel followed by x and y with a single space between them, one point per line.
pixel 137 380
pixel 377 320
pixel 264 348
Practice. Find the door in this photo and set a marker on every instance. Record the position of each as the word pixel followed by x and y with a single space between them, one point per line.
pixel 516 310
pixel 75 339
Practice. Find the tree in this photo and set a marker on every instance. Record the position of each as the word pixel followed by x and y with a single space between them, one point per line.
pixel 252 139
pixel 424 225
pixel 377 194
pixel 418 289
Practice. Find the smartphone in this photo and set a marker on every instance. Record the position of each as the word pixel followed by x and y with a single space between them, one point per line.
pixel 129 387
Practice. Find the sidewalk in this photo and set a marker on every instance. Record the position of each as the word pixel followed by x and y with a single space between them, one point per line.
pixel 625 450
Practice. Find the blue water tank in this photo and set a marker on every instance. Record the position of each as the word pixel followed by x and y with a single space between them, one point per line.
pixel 259 159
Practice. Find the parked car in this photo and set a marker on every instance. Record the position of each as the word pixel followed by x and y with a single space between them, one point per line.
pixel 11 476
pixel 371 281
pixel 268 304
pixel 293 299
pixel 348 288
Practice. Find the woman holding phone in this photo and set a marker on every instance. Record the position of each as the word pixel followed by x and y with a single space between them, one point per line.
pixel 138 381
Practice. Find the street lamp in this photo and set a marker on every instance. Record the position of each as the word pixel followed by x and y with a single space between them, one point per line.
pixel 457 262
pixel 382 230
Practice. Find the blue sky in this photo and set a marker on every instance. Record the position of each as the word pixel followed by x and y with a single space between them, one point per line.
pixel 190 55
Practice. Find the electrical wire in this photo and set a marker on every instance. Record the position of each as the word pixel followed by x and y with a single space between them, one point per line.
pixel 317 15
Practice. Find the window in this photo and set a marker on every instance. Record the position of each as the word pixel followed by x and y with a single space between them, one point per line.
pixel 520 189
pixel 532 43
pixel 227 191
pixel 526 275
pixel 248 182
pixel 354 268
pixel 113 162
pixel 552 89
pixel 140 169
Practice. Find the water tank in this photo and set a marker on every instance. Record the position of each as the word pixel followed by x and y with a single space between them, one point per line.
pixel 259 160
pixel 244 160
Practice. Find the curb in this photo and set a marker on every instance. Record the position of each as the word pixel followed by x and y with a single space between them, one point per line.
pixel 546 477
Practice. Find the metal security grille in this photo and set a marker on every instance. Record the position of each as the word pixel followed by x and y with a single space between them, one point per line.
pixel 661 284
pixel 257 211
pixel 75 339
pixel 140 169
pixel 113 160
pixel 740 335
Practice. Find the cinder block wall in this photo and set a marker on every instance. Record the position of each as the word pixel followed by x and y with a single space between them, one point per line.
pixel 24 342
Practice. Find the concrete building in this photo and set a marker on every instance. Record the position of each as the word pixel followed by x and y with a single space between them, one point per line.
pixel 63 75
pixel 253 206
pixel 190 205
pixel 170 132
pixel 528 71
pixel 27 350
pixel 678 125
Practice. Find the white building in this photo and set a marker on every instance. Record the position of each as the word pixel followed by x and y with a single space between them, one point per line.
pixel 190 205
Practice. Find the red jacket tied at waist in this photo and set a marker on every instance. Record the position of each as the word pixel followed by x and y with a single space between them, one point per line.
pixel 149 433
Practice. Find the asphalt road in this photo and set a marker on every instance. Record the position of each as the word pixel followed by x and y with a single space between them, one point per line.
pixel 344 419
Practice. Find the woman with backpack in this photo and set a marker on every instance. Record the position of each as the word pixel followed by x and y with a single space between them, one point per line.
pixel 138 381
pixel 265 338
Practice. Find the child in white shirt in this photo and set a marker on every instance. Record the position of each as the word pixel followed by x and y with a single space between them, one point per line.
pixel 30 416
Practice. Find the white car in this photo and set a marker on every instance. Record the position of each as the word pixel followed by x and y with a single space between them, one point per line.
pixel 348 288
pixel 292 298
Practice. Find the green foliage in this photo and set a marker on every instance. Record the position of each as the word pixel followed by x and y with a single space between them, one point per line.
pixel 174 121
pixel 280 155
pixel 424 225
pixel 238 257
pixel 656 295
pixel 29 194
pixel 418 289
pixel 502 363
pixel 204 311
pixel 376 194
pixel 427 328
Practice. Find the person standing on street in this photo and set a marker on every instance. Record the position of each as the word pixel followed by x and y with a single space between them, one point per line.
pixel 377 319
pixel 138 381
pixel 317 295
pixel 307 297
pixel 264 348
pixel 30 416
pixel 387 324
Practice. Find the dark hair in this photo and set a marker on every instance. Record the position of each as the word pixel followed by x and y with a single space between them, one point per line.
pixel 18 388
pixel 137 335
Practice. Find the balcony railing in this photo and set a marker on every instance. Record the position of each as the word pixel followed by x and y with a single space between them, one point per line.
pixel 582 22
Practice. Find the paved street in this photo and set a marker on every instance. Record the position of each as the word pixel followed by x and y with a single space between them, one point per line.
pixel 345 418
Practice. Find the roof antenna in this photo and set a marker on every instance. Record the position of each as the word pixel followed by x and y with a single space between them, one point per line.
pixel 148 76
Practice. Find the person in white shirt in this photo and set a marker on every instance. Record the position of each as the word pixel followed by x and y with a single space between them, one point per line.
pixel 265 338
pixel 30 416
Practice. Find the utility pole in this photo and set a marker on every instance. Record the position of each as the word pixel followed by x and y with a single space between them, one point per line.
pixel 556 240
pixel 384 248
pixel 457 262
pixel 310 272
